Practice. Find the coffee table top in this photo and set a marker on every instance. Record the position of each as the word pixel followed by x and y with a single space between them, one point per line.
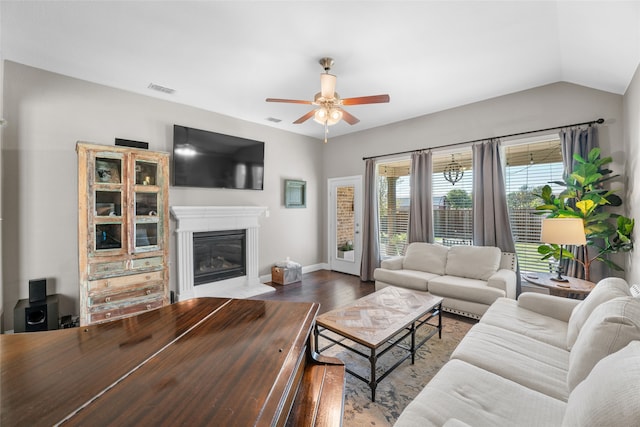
pixel 375 318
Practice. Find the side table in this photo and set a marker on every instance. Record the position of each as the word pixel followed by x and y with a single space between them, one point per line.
pixel 574 288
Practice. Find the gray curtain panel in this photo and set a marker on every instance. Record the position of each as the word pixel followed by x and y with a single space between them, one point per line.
pixel 491 226
pixel 421 205
pixel 370 246
pixel 579 141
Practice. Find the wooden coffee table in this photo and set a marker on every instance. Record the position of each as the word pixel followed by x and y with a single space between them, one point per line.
pixel 381 321
pixel 574 288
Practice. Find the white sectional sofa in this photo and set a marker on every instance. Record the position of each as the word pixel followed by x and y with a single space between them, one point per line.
pixel 541 361
pixel 468 278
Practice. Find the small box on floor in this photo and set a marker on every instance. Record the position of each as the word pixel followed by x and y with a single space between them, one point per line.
pixel 286 275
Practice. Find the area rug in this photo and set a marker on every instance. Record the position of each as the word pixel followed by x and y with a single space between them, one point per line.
pixel 399 388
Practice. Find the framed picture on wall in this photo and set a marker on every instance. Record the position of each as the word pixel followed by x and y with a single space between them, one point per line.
pixel 295 193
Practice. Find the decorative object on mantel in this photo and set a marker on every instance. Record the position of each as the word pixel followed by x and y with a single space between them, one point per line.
pixel 330 111
pixel 584 197
pixel 453 172
pixel 559 232
pixel 295 193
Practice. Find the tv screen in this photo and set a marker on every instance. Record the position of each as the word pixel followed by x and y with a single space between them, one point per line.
pixel 213 160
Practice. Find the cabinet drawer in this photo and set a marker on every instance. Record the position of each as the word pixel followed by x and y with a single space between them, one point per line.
pixel 111 313
pixel 115 284
pixel 142 263
pixel 107 267
pixel 106 298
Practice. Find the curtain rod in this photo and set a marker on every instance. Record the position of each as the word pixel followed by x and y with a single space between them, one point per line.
pixel 599 121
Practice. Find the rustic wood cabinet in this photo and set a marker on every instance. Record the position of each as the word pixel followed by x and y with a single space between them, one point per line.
pixel 123 230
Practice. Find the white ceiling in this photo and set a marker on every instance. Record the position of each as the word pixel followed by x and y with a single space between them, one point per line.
pixel 228 56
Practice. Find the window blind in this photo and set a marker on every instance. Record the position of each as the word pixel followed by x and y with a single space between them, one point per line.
pixel 529 167
pixel 452 202
pixel 393 206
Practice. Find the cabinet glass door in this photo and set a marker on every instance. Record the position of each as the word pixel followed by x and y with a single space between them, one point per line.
pixel 108 202
pixel 146 193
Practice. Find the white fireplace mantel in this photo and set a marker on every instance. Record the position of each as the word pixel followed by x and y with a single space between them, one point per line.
pixel 195 219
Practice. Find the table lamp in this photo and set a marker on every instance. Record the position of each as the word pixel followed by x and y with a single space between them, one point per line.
pixel 562 231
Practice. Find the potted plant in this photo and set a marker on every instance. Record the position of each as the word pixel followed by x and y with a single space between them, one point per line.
pixel 345 251
pixel 585 197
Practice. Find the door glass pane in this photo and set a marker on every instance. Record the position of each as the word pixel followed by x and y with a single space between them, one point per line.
pixel 345 223
pixel 108 236
pixel 108 170
pixel 108 203
pixel 146 173
pixel 147 204
pixel 146 234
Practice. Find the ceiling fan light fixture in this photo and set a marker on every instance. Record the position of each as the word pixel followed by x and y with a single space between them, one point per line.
pixel 327 116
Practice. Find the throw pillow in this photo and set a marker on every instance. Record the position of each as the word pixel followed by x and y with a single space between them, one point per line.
pixel 607 289
pixel 473 262
pixel 610 327
pixel 425 257
pixel 610 395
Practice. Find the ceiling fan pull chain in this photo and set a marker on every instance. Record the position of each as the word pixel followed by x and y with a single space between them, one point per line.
pixel 326 130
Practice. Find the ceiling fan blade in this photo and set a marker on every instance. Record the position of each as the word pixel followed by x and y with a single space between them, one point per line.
pixel 327 85
pixel 305 117
pixel 349 118
pixel 291 101
pixel 373 99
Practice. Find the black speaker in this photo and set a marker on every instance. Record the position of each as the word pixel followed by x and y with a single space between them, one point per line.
pixel 131 143
pixel 37 290
pixel 38 316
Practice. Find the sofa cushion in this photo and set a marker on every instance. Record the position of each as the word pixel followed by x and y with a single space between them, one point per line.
pixel 479 398
pixel 505 353
pixel 473 262
pixel 610 327
pixel 410 279
pixel 426 257
pixel 610 395
pixel 464 289
pixel 607 289
pixel 506 313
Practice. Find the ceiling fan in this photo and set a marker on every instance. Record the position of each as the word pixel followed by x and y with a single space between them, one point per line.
pixel 329 109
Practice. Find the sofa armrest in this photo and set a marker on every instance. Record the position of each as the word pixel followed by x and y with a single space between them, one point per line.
pixel 393 263
pixel 548 305
pixel 505 280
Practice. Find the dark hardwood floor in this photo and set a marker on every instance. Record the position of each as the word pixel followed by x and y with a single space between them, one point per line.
pixel 329 288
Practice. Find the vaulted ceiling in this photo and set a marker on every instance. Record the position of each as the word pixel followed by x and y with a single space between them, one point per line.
pixel 228 56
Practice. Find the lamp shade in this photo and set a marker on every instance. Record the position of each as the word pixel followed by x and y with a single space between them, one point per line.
pixel 563 231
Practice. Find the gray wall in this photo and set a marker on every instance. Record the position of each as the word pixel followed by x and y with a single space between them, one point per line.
pixel 539 108
pixel 48 113
pixel 632 149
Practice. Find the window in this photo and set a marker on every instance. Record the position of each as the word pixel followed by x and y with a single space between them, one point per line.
pixel 393 206
pixel 452 201
pixel 529 167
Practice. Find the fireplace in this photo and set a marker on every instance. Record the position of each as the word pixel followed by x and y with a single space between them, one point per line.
pixel 218 255
pixel 215 222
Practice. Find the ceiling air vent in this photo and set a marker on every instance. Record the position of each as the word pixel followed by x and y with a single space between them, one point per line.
pixel 162 89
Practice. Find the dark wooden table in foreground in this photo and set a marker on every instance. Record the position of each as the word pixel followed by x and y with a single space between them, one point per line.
pixel 206 361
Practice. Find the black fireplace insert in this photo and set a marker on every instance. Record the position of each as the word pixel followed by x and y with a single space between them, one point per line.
pixel 219 255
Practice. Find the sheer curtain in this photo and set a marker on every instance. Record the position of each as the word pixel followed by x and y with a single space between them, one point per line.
pixel 370 246
pixel 491 226
pixel 420 205
pixel 578 141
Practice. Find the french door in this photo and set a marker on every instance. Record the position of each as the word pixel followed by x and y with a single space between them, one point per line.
pixel 345 219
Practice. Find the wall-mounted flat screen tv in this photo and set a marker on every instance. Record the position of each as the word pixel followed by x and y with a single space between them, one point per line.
pixel 213 160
